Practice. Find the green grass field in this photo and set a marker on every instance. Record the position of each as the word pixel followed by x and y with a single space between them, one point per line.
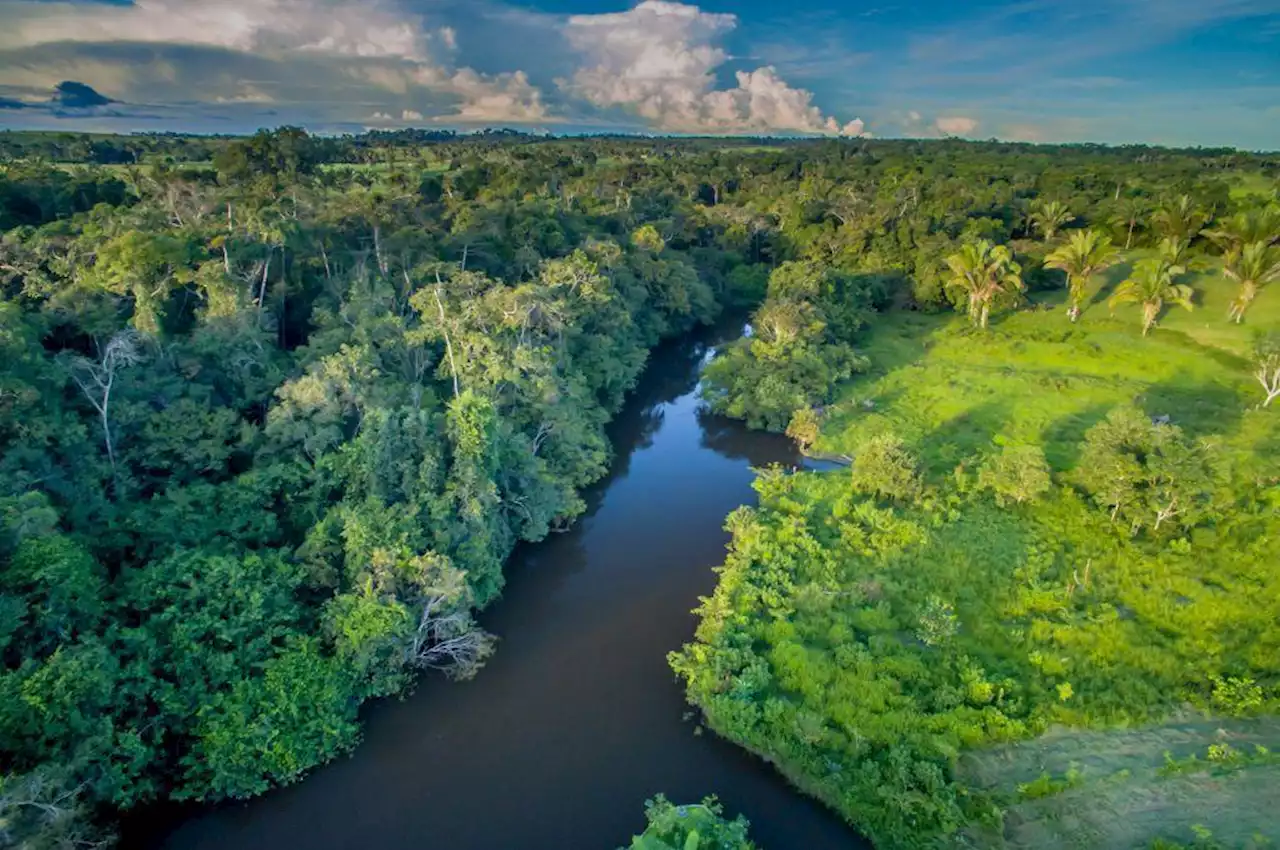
pixel 1071 642
pixel 1121 793
pixel 1035 377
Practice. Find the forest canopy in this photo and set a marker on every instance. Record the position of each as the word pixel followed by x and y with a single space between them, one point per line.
pixel 274 412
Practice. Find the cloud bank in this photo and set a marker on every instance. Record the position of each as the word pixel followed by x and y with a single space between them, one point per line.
pixel 659 60
pixel 655 66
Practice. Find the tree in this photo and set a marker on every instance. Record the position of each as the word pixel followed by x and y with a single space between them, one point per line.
pixel 986 276
pixel 883 466
pixel 805 427
pixel 1151 286
pixel 1146 474
pixel 1129 213
pixel 1261 224
pixel 1050 217
pixel 1175 251
pixel 1266 359
pixel 1179 218
pixel 1084 255
pixel 97 379
pixel 1016 474
pixel 691 827
pixel 1252 267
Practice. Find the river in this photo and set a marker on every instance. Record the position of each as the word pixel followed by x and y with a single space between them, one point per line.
pixel 577 719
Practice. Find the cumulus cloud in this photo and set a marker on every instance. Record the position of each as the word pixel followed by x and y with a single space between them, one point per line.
pixel 330 26
pixel 321 55
pixel 956 125
pixel 658 60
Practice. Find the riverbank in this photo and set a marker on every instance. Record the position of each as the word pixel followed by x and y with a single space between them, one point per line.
pixel 576 720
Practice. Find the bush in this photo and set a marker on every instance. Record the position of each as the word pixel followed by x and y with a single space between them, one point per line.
pixel 883 467
pixel 1017 474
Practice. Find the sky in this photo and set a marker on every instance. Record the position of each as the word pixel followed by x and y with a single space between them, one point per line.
pixel 1173 72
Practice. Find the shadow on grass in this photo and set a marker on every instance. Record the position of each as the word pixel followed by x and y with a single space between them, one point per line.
pixel 1064 439
pixel 1198 409
pixel 1111 278
pixel 968 434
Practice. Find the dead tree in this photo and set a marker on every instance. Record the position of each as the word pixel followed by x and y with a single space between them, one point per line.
pixel 449 640
pixel 97 379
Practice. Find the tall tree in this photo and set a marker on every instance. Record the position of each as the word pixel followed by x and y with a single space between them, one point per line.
pixel 97 379
pixel 1152 285
pixel 1260 224
pixel 1050 217
pixel 1252 267
pixel 986 276
pixel 1084 255
pixel 1179 218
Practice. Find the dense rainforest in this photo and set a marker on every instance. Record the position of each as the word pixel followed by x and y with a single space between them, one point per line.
pixel 274 412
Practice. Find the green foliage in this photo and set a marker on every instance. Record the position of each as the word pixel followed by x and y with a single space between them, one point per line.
pixel 1145 473
pixel 268 436
pixel 691 827
pixel 270 428
pixel 866 642
pixel 798 349
pixel 984 277
pixel 884 467
pixel 1016 474
pixel 1151 286
pixel 272 728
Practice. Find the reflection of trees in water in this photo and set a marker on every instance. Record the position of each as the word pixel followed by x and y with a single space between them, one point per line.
pixel 672 373
pixel 734 440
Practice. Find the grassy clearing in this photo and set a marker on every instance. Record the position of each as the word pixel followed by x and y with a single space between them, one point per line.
pixel 1121 792
pixel 1036 378
pixel 1251 184
pixel 914 660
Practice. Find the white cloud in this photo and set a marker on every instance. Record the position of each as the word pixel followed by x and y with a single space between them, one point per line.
pixel 329 26
pixel 338 49
pixel 658 60
pixel 956 125
pixel 507 97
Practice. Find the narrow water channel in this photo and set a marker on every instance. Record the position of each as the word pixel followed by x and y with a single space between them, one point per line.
pixel 577 718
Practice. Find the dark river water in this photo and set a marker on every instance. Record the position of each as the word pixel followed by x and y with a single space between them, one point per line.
pixel 577 719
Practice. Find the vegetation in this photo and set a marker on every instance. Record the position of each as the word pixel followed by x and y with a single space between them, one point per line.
pixel 269 434
pixel 1043 527
pixel 1043 534
pixel 274 412
pixel 693 827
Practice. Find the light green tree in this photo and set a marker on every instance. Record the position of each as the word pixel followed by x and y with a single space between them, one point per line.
pixel 1179 218
pixel 1017 474
pixel 1050 217
pixel 986 276
pixel 1252 267
pixel 1083 255
pixel 1152 285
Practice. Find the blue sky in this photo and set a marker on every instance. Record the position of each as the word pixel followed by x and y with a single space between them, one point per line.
pixel 1182 72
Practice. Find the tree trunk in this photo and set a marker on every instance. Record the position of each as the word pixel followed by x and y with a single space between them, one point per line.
pixel 1128 242
pixel 262 287
pixel 448 343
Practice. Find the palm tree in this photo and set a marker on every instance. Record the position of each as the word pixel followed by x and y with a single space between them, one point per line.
pixel 1128 212
pixel 1151 285
pixel 1085 254
pixel 987 275
pixel 1253 267
pixel 1050 217
pixel 1255 225
pixel 1175 251
pixel 1179 219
